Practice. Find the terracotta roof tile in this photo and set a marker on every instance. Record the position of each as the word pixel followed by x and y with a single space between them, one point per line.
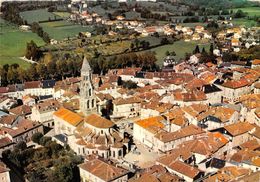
pixel 68 116
pixel 239 128
pixel 184 169
pixel 103 170
pixel 130 100
pixel 98 121
pixel 21 110
pixel 152 123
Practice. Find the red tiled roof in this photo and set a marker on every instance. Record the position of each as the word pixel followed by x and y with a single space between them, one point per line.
pixel 103 170
pixel 32 84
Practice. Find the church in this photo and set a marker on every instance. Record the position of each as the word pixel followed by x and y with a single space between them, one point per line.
pixel 91 134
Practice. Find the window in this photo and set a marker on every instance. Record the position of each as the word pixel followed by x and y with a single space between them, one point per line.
pixel 88 104
pixel 93 103
pixel 89 92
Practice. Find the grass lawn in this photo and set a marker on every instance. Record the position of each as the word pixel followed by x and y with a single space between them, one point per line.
pixel 14 60
pixel 37 15
pixel 180 48
pixel 62 14
pixel 154 41
pixel 115 47
pixel 13 43
pixel 193 24
pixel 251 11
pixel 245 22
pixel 62 29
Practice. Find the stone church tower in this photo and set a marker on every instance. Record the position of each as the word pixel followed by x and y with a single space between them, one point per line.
pixel 87 94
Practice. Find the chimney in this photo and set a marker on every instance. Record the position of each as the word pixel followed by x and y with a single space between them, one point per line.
pixel 181 158
pixel 168 123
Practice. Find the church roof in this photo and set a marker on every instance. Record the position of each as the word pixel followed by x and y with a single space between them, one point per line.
pixel 98 121
pixel 68 116
pixel 85 65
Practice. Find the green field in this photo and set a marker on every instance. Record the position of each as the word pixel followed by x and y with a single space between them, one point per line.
pixel 13 43
pixel 62 29
pixel 193 24
pixel 62 14
pixel 244 22
pixel 251 11
pixel 180 48
pixel 37 15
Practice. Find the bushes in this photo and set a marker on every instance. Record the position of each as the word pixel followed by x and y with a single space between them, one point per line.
pixel 129 84
pixel 44 140
pixel 36 137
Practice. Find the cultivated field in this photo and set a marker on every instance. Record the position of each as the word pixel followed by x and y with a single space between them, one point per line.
pixel 251 11
pixel 13 43
pixel 180 48
pixel 38 15
pixel 62 29
pixel 244 22
pixel 62 14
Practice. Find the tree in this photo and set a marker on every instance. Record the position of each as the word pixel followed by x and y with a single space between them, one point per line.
pixel 52 69
pixel 55 148
pixel 46 37
pixel 136 42
pixel 173 53
pixel 119 81
pixel 213 25
pixel 44 140
pixel 21 146
pixel 211 48
pixel 37 137
pixel 64 172
pixel 100 82
pixel 42 70
pixel 203 51
pixel 132 46
pixel 196 50
pixel 32 51
pixel 129 84
pixel 32 72
pixel 12 75
pixel 239 14
pixel 22 76
pixel 164 41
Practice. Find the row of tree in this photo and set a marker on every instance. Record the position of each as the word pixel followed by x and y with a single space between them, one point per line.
pixel 10 12
pixel 36 28
pixel 53 69
pixel 136 45
pixel 145 60
pixel 57 66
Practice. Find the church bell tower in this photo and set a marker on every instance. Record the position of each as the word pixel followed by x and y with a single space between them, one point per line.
pixel 87 94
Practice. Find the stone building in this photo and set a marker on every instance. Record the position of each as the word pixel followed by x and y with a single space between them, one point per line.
pixel 87 94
